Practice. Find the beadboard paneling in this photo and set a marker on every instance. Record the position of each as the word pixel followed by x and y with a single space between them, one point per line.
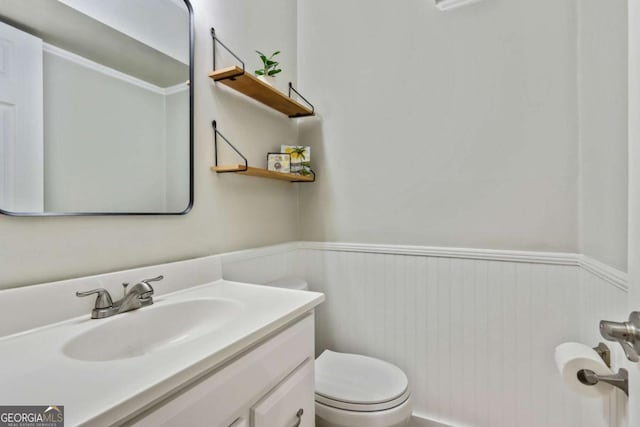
pixel 475 335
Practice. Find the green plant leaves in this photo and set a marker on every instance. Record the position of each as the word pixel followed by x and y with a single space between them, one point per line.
pixel 299 152
pixel 263 57
pixel 270 66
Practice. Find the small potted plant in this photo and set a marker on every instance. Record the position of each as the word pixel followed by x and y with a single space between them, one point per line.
pixel 270 68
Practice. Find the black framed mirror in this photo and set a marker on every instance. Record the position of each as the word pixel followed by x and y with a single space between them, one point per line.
pixel 96 107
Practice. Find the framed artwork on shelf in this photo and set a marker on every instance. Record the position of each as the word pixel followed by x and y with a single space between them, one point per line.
pixel 279 162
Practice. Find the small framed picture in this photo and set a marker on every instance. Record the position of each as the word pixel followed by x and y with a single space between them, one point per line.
pixel 300 158
pixel 299 153
pixel 279 162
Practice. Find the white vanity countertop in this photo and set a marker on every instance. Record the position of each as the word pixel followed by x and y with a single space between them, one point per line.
pixel 35 371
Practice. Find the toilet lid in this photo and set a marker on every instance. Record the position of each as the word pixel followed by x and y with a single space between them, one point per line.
pixel 355 382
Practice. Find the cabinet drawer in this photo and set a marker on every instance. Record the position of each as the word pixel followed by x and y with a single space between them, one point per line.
pixel 291 403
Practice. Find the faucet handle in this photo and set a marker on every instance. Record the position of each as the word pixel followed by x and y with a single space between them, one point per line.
pixel 102 301
pixel 155 279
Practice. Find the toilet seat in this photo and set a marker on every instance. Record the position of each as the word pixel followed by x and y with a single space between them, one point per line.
pixel 326 416
pixel 367 407
pixel 358 383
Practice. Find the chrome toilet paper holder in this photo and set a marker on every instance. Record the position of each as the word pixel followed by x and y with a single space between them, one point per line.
pixel 619 380
pixel 590 378
pixel 604 353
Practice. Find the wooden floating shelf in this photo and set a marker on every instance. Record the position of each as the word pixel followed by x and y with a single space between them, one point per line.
pixel 262 173
pixel 255 88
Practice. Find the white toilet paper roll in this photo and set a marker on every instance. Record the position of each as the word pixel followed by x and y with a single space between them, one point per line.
pixel 572 357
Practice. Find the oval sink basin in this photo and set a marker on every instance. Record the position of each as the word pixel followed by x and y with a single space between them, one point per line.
pixel 149 329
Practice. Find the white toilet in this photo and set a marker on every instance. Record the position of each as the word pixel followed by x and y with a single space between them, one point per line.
pixel 354 390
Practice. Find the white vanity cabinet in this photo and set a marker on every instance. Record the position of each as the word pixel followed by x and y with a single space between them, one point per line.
pixel 269 385
pixel 290 397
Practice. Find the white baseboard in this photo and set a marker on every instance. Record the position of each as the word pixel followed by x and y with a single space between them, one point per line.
pixel 419 421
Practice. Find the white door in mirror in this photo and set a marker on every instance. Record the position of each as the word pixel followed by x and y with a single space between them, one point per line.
pixel 21 121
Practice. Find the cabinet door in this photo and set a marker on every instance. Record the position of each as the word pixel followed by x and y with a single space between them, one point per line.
pixel 291 403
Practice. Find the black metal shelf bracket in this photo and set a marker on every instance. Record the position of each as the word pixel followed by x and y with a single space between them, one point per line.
pixel 292 89
pixel 218 41
pixel 216 134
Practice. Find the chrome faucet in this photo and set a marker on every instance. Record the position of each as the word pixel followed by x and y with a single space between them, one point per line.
pixel 140 295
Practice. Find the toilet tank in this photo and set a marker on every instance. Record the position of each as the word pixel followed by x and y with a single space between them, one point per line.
pixel 296 283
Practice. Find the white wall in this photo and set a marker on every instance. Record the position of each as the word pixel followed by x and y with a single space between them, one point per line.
pixel 474 330
pixel 225 213
pixel 266 26
pixel 602 89
pixel 448 129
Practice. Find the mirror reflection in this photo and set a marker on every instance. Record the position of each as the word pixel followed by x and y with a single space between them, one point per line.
pixel 94 106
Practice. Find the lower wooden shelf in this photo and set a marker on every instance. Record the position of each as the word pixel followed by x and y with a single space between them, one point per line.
pixel 262 173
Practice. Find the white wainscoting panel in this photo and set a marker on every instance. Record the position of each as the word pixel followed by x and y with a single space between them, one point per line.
pixel 474 330
pixel 475 337
pixel 260 265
